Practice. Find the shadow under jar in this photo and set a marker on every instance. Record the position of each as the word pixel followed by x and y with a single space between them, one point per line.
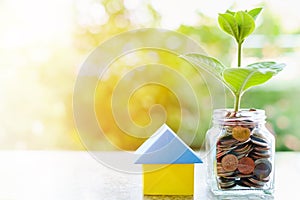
pixel 241 153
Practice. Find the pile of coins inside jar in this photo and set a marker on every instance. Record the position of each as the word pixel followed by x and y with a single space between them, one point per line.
pixel 243 157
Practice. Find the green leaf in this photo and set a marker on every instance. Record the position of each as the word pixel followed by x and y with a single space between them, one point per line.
pixel 246 25
pixel 230 12
pixel 255 12
pixel 267 66
pixel 228 24
pixel 211 65
pixel 241 79
pixel 260 65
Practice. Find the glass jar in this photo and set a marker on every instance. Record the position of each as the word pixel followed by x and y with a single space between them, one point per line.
pixel 241 151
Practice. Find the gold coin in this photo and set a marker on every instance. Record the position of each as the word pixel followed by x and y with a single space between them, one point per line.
pixel 229 162
pixel 240 133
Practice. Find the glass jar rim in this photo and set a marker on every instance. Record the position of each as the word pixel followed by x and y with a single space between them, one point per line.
pixel 243 116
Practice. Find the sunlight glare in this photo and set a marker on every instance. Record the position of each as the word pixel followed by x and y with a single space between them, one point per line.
pixel 35 23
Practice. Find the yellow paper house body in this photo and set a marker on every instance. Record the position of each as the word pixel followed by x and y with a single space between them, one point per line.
pixel 168 164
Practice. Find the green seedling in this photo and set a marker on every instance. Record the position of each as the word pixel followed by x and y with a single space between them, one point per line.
pixel 238 79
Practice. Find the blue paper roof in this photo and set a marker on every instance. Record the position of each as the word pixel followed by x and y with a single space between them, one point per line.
pixel 165 147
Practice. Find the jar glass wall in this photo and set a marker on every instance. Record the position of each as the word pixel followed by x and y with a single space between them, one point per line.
pixel 241 151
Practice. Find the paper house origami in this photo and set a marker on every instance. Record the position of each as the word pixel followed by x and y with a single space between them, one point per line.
pixel 168 164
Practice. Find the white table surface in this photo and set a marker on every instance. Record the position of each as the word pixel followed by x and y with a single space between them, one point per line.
pixel 76 175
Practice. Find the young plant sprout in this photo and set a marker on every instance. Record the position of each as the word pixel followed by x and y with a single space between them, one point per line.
pixel 238 79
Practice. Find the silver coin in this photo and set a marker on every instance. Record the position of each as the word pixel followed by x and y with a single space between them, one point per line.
pixel 263 168
pixel 259 142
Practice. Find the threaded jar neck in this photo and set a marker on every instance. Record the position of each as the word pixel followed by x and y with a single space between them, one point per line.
pixel 242 117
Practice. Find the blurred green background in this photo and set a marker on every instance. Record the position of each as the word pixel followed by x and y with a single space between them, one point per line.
pixel 44 43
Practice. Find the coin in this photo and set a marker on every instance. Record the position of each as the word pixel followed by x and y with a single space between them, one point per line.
pixel 258 148
pixel 267 179
pixel 260 152
pixel 226 183
pixel 259 141
pixel 248 124
pixel 240 133
pixel 247 183
pixel 243 149
pixel 256 182
pixel 220 154
pixel 228 140
pixel 222 173
pixel 246 165
pixel 262 169
pixel 244 175
pixel 262 155
pixel 242 155
pixel 226 174
pixel 225 148
pixel 229 162
pixel 254 157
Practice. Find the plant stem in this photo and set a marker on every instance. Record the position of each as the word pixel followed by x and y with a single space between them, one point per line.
pixel 237 102
pixel 239 53
pixel 238 96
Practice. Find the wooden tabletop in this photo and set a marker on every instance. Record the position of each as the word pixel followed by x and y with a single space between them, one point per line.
pixel 75 175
